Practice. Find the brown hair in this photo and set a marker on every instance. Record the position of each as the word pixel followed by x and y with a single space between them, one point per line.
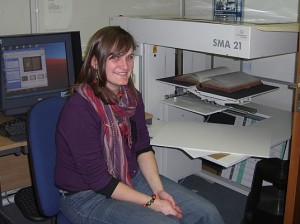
pixel 104 43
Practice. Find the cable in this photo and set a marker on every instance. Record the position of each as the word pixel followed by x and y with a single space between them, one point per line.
pixel 6 218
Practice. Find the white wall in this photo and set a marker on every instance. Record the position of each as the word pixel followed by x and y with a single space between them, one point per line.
pixel 87 16
pixel 25 16
pixel 14 16
pixel 90 15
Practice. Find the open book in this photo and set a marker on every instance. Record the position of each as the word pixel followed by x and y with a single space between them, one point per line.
pixel 221 79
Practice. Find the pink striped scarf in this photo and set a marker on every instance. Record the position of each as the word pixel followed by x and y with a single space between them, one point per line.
pixel 117 129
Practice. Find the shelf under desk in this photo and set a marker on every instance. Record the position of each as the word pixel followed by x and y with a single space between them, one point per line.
pixel 14 165
pixel 14 172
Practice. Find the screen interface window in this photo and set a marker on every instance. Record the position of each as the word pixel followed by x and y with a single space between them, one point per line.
pixel 25 69
pixel 32 68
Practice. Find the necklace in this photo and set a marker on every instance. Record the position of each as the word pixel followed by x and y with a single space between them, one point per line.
pixel 120 94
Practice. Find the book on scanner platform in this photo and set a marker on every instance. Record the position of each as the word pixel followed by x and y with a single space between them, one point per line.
pixel 221 79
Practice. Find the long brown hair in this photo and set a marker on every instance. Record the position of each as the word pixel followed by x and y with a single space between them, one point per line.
pixel 105 42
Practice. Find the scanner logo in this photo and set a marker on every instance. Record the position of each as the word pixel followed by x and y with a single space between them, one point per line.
pixel 241 34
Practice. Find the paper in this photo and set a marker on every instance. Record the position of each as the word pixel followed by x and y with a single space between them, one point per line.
pixel 58 14
pixel 208 138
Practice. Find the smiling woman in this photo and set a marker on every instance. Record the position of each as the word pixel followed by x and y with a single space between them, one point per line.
pixel 103 145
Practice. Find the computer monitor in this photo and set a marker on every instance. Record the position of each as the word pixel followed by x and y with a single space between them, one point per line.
pixel 36 66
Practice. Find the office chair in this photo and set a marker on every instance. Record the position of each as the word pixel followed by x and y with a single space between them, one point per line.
pixel 41 127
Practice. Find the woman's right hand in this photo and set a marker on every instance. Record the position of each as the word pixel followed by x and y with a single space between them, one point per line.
pixel 166 208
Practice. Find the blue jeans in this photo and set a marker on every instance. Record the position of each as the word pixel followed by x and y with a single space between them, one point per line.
pixel 88 207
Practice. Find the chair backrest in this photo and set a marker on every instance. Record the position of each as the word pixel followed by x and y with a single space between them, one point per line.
pixel 41 128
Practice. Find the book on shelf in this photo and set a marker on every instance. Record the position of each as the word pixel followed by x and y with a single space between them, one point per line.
pixel 221 79
pixel 228 10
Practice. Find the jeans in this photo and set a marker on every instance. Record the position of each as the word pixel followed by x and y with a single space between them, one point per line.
pixel 88 207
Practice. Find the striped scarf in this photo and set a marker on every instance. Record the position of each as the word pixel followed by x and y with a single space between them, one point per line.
pixel 117 129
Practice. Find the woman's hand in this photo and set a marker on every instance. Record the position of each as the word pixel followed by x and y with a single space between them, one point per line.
pixel 166 204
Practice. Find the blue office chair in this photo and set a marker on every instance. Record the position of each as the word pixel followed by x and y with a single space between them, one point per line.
pixel 41 127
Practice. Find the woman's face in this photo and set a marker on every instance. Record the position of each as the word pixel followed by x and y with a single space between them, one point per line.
pixel 119 69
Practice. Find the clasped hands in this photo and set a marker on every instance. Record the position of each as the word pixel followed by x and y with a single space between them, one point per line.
pixel 166 204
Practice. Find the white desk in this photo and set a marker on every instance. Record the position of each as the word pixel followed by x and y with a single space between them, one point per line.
pixel 205 140
pixel 278 124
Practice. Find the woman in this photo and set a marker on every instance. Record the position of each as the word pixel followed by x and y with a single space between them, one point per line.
pixel 106 168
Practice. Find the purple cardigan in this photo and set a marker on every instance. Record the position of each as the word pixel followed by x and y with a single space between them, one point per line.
pixel 80 163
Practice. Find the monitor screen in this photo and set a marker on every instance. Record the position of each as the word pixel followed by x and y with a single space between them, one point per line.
pixel 36 66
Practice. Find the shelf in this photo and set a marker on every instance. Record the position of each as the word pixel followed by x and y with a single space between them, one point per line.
pixel 194 104
pixel 224 182
pixel 238 97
